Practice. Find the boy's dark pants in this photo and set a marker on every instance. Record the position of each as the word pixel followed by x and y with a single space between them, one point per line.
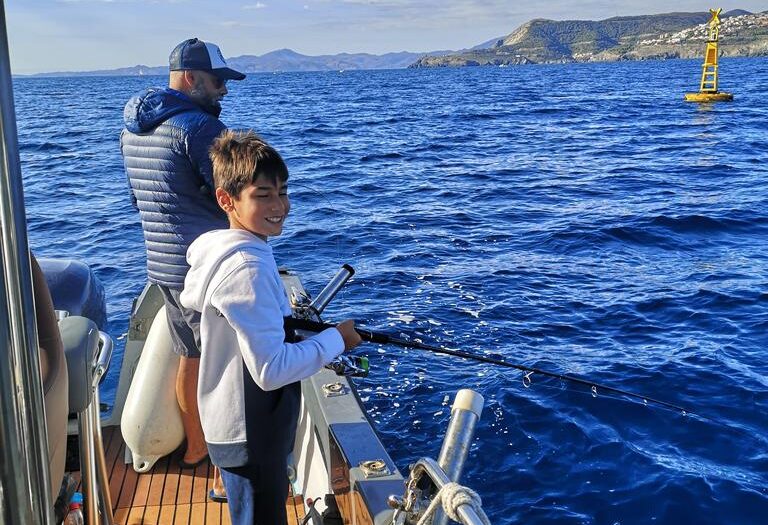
pixel 256 494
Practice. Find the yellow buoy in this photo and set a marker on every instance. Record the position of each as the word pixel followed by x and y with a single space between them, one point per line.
pixel 708 89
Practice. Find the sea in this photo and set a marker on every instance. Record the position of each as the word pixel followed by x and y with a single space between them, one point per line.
pixel 578 218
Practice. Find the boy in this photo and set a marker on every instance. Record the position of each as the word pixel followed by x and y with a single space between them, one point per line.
pixel 248 390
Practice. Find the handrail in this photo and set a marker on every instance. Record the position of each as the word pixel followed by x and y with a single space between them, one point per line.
pixel 24 475
pixel 430 467
pixel 104 357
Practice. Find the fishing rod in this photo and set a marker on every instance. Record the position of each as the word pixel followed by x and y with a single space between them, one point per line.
pixel 387 339
pixel 358 366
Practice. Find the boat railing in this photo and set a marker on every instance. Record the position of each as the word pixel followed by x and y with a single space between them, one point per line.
pixel 466 509
pixel 24 471
pixel 106 346
pixel 89 352
pixel 432 493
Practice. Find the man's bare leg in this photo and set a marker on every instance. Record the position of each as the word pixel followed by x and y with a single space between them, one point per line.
pixel 186 393
pixel 218 483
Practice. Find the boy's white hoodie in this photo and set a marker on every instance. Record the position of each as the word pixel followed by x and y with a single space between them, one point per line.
pixel 245 362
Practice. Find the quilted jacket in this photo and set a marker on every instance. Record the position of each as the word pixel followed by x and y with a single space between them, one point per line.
pixel 165 150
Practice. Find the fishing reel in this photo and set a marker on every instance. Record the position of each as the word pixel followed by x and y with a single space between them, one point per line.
pixel 344 365
pixel 349 366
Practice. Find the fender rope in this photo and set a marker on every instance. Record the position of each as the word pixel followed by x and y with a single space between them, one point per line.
pixel 452 496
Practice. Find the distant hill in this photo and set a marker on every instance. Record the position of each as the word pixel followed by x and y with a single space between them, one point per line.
pixel 288 60
pixel 120 72
pixel 280 60
pixel 672 35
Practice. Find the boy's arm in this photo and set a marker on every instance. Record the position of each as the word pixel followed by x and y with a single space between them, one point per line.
pixel 250 301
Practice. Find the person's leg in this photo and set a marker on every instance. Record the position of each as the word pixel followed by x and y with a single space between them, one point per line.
pixel 218 484
pixel 256 494
pixel 242 488
pixel 274 492
pixel 184 325
pixel 186 393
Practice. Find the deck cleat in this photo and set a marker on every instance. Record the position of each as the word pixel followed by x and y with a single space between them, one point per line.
pixel 334 389
pixel 374 468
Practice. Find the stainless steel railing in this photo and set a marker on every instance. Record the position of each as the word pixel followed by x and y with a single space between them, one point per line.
pixel 24 474
pixel 95 478
pixel 430 467
pixel 465 413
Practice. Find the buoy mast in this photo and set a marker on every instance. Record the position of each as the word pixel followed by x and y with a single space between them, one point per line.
pixel 708 89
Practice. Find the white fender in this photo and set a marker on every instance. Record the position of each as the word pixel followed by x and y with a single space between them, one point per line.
pixel 151 422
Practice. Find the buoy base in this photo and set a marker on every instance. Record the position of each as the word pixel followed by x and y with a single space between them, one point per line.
pixel 708 97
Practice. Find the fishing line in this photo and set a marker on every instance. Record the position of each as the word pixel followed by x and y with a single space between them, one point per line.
pixel 324 197
pixel 528 371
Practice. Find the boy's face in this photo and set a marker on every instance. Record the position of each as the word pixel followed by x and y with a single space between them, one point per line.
pixel 261 208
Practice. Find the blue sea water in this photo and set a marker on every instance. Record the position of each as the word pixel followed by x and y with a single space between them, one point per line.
pixel 579 218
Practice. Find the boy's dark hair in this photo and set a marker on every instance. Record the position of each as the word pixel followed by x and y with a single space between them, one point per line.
pixel 240 157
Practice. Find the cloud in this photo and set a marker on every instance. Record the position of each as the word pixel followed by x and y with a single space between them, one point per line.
pixel 257 5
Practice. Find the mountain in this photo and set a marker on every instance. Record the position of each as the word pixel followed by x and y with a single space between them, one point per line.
pixel 120 72
pixel 280 60
pixel 288 60
pixel 672 35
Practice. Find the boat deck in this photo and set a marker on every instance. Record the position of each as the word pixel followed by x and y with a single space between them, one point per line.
pixel 167 495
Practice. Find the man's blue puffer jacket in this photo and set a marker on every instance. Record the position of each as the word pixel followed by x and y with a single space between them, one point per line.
pixel 165 149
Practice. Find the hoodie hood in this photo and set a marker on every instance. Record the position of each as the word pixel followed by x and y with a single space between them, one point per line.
pixel 205 257
pixel 153 106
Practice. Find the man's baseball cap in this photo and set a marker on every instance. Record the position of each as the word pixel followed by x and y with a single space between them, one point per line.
pixel 202 56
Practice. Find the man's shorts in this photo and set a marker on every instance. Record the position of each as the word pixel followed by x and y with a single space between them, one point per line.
pixel 184 324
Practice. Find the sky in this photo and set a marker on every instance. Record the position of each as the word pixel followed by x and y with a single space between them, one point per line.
pixel 84 35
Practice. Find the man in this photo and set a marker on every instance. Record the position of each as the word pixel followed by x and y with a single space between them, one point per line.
pixel 165 146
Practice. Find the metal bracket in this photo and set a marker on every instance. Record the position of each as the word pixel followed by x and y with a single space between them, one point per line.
pixel 298 298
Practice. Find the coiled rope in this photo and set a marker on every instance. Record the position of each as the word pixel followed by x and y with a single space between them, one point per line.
pixel 452 496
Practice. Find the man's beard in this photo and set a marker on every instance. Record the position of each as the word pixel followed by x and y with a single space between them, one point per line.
pixel 209 104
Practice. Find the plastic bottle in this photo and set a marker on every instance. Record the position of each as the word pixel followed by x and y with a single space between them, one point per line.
pixel 75 515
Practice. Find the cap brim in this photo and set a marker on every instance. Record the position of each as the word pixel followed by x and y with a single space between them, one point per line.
pixel 226 73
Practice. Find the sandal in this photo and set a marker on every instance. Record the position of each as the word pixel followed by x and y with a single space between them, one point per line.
pixel 215 497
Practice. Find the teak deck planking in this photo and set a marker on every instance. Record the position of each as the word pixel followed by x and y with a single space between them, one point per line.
pixel 167 495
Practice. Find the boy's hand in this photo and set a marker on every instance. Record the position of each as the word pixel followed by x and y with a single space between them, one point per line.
pixel 348 333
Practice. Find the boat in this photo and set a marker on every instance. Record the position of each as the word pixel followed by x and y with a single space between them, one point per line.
pixel 340 471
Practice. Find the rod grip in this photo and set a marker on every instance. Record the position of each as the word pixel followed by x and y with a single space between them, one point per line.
pixel 373 337
pixel 318 326
pixel 307 324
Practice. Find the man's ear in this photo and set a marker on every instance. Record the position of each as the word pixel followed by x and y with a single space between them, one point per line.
pixel 225 200
pixel 190 78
